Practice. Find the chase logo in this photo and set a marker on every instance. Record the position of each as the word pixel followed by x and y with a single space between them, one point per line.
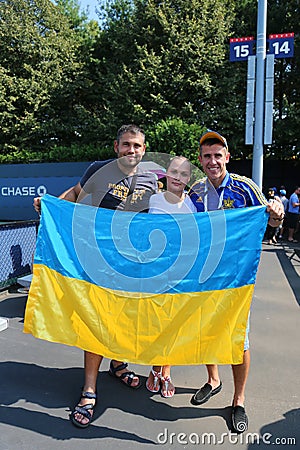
pixel 41 190
pixel 23 191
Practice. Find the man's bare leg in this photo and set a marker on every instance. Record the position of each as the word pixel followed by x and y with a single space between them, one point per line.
pixel 240 375
pixel 91 368
pixel 213 375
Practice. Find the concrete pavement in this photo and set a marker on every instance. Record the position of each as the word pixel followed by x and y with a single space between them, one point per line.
pixel 41 381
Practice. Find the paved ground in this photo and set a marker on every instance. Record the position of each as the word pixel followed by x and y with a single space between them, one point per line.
pixel 40 381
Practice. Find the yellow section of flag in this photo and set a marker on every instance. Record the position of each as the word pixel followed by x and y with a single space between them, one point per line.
pixel 177 329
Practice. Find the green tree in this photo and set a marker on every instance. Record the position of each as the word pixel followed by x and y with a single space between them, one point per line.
pixel 43 59
pixel 164 59
pixel 282 17
pixel 66 81
pixel 176 137
pixel 160 59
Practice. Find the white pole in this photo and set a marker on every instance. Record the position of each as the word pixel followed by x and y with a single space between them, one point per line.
pixel 258 150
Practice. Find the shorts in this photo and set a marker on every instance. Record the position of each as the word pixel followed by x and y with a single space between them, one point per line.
pixel 246 341
pixel 292 219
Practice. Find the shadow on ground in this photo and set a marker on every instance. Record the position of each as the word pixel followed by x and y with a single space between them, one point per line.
pixel 283 433
pixel 289 258
pixel 55 388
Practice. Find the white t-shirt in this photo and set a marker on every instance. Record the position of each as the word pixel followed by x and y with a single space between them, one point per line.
pixel 159 205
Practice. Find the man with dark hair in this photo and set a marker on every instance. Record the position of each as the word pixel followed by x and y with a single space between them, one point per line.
pixel 117 184
pixel 222 190
pixel 293 213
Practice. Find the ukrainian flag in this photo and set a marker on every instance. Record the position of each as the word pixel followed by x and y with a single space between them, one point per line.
pixel 145 288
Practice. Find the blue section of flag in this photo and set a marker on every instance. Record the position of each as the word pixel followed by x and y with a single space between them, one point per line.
pixel 149 253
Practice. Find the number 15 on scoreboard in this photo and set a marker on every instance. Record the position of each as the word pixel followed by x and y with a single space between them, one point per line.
pixel 241 48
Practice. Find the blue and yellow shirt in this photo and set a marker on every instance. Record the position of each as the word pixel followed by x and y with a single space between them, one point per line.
pixel 236 191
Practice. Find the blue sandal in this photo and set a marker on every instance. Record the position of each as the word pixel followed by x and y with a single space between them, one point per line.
pixel 84 410
pixel 130 375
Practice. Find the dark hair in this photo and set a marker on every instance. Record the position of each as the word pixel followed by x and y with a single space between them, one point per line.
pixel 273 188
pixel 212 141
pixel 134 129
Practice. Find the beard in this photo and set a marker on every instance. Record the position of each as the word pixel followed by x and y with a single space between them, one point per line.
pixel 129 162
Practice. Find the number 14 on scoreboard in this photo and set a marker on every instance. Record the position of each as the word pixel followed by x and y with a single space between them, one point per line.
pixel 282 45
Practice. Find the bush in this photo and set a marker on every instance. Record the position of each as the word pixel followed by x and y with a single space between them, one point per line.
pixel 172 136
pixel 176 137
pixel 74 153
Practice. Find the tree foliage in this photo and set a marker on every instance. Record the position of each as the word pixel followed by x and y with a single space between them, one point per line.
pixel 285 17
pixel 282 17
pixel 160 61
pixel 176 137
pixel 41 72
pixel 67 82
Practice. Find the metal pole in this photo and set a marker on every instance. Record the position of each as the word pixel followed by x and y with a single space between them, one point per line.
pixel 258 149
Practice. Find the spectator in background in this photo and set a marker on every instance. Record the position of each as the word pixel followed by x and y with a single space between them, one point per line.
pixel 16 260
pixel 272 231
pixel 285 202
pixel 293 213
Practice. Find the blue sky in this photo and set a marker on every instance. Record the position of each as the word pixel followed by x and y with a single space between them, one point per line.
pixel 92 4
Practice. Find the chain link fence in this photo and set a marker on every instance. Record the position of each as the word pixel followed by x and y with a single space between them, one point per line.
pixel 17 246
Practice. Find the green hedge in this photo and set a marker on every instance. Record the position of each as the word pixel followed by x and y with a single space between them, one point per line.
pixel 75 153
pixel 171 136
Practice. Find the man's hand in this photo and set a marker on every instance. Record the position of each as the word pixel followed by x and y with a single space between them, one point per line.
pixel 71 195
pixel 276 211
pixel 37 204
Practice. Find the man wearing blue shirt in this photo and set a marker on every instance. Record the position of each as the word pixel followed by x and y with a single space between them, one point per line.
pixel 293 213
pixel 222 190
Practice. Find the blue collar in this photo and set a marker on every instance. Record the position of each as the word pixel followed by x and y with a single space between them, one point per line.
pixel 222 185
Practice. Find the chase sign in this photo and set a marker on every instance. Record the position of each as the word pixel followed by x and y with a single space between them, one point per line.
pixel 20 183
